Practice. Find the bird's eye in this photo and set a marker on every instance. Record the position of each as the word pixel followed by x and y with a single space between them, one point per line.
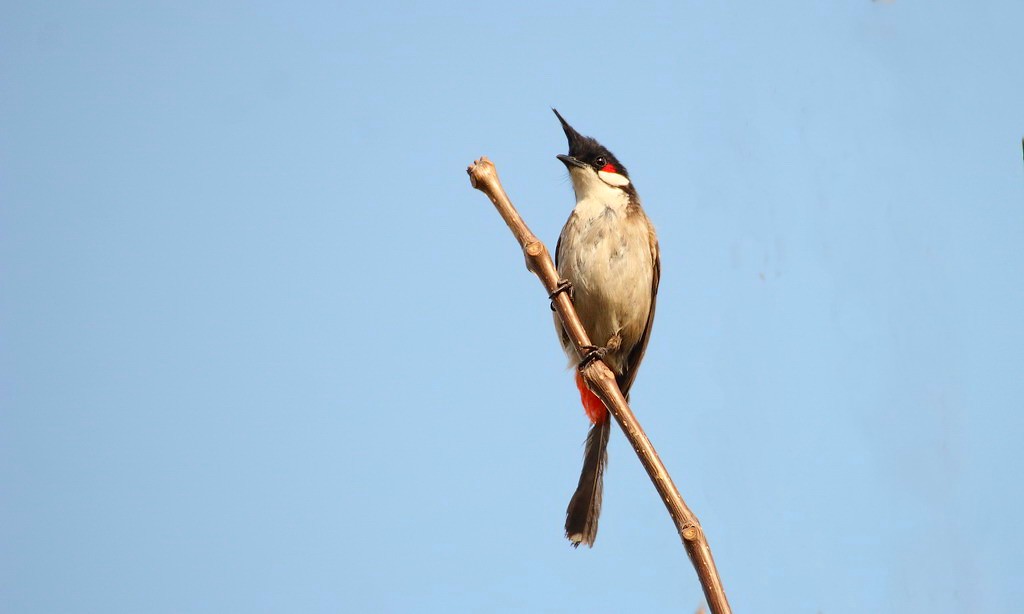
pixel 602 164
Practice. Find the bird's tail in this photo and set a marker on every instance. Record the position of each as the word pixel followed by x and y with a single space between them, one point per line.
pixel 585 506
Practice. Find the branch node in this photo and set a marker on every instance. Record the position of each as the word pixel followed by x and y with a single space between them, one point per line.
pixel 476 171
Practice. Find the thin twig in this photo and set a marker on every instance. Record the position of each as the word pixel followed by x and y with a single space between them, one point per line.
pixel 600 379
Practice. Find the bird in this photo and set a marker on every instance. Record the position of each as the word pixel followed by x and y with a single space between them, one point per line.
pixel 608 259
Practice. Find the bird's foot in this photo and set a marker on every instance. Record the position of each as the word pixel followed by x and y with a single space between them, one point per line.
pixel 591 353
pixel 564 285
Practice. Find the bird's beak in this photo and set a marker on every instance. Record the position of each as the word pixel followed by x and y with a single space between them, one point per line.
pixel 570 161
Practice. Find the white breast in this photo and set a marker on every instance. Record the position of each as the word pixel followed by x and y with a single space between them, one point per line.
pixel 606 254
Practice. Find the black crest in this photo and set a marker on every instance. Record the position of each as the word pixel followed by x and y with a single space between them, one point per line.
pixel 588 150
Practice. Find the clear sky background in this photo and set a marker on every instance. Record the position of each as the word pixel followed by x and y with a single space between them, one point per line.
pixel 262 349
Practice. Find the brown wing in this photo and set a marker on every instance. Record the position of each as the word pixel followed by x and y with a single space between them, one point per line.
pixel 625 380
pixel 563 337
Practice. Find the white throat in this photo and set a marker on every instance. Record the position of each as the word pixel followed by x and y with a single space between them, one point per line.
pixel 599 187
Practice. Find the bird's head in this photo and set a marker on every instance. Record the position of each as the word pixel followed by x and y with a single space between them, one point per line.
pixel 591 166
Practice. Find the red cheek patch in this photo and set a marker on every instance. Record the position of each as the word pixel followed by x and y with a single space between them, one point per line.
pixel 608 168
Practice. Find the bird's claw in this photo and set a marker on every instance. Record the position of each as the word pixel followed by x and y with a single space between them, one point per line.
pixel 564 285
pixel 591 353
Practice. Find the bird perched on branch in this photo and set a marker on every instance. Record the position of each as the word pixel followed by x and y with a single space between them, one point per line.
pixel 607 257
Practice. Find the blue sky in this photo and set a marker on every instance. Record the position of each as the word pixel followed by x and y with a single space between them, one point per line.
pixel 263 349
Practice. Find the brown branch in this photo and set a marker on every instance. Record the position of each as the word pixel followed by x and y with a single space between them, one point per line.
pixel 600 379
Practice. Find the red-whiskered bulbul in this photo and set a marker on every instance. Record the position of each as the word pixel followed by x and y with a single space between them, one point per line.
pixel 608 252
